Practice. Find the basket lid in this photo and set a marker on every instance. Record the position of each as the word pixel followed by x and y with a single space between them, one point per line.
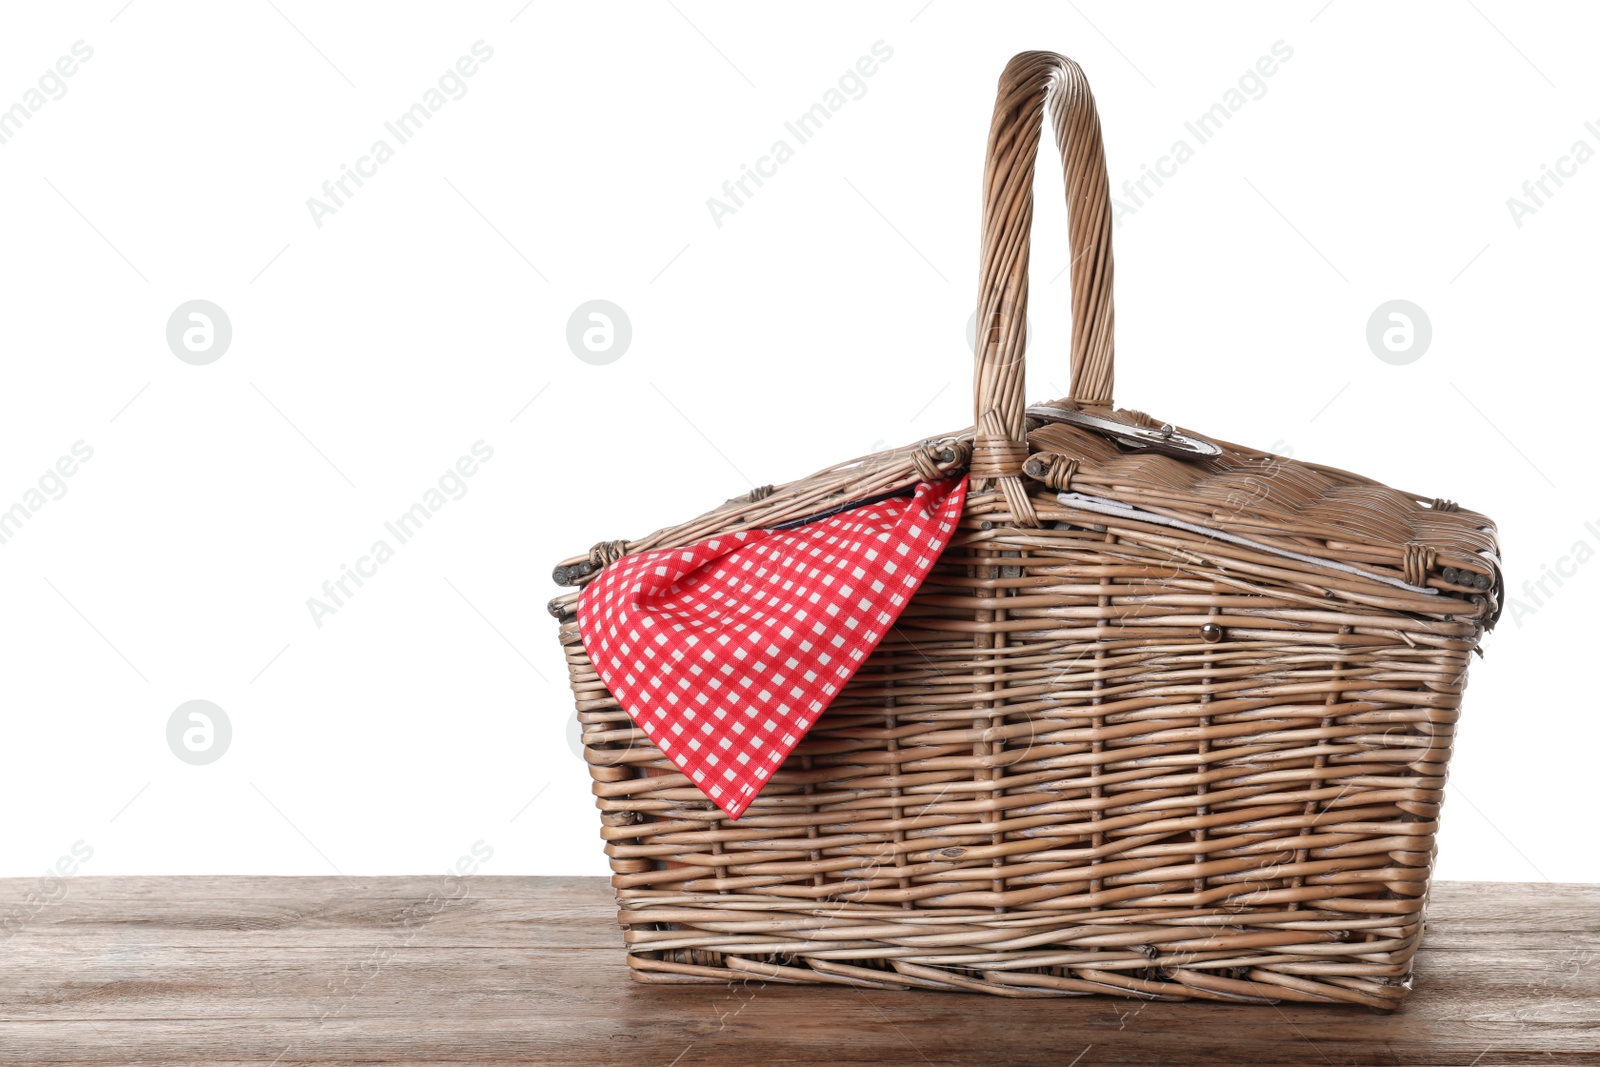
pixel 1303 509
pixel 1308 511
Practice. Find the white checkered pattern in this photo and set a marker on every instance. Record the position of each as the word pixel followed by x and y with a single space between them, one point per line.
pixel 725 652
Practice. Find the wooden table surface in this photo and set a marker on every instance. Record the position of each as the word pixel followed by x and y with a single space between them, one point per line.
pixel 530 970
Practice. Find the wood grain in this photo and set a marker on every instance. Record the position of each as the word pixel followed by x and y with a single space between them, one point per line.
pixel 236 971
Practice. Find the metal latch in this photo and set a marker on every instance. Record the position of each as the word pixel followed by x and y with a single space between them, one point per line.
pixel 1165 439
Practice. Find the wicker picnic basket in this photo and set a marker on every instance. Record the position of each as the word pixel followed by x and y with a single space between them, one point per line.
pixel 1168 719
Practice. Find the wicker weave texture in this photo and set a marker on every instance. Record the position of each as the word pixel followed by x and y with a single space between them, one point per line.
pixel 1154 726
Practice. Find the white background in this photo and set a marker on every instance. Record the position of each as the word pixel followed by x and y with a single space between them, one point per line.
pixel 823 319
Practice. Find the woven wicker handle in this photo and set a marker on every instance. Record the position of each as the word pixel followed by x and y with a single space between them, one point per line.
pixel 1031 80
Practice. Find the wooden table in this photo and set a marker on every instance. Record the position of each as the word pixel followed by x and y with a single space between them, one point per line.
pixel 530 970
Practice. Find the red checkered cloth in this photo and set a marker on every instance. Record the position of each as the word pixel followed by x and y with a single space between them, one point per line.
pixel 725 652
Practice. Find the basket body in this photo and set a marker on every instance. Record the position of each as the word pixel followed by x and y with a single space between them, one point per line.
pixel 1156 725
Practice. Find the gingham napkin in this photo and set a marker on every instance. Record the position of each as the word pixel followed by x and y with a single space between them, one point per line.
pixel 725 652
